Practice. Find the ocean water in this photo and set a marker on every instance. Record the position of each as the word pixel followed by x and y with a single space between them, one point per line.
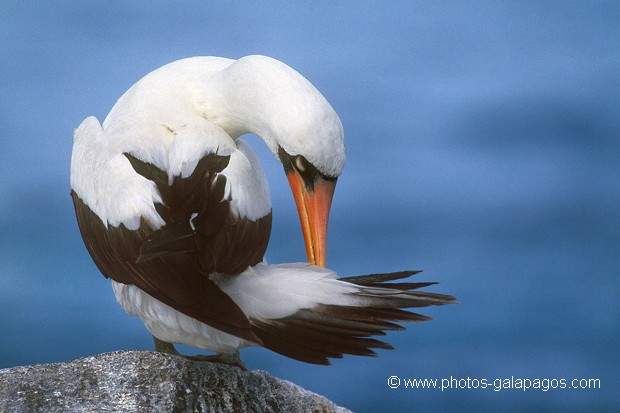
pixel 483 146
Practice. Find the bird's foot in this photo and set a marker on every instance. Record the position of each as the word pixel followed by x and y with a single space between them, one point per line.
pixel 165 347
pixel 232 359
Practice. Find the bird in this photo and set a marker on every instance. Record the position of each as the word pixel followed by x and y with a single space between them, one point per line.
pixel 174 208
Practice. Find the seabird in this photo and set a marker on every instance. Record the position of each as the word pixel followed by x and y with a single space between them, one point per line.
pixel 175 209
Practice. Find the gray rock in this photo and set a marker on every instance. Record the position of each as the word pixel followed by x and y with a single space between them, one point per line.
pixel 137 381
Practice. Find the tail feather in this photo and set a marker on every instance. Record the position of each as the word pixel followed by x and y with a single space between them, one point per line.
pixel 325 331
pixel 300 338
pixel 328 324
pixel 376 316
pixel 379 278
pixel 274 339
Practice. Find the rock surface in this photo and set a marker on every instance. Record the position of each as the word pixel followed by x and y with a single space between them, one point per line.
pixel 136 381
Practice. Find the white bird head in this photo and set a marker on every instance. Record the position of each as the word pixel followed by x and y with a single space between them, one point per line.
pixel 260 95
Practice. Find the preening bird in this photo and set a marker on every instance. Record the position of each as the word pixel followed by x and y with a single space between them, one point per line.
pixel 174 208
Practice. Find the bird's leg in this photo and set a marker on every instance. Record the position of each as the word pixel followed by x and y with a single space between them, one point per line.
pixel 165 347
pixel 232 359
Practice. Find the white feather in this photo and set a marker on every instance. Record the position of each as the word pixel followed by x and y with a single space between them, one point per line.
pixel 246 183
pixel 280 290
pixel 105 180
pixel 168 324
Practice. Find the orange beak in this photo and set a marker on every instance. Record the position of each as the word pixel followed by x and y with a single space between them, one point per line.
pixel 313 206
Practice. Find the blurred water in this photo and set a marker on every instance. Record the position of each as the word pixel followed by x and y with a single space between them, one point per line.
pixel 482 141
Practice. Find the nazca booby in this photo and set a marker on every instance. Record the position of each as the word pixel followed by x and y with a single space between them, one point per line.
pixel 176 211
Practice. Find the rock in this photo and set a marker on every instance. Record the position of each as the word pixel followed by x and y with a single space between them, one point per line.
pixel 137 381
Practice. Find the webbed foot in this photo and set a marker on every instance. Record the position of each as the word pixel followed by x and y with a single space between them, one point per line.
pixel 232 359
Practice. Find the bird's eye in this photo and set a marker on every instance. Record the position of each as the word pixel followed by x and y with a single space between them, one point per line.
pixel 301 164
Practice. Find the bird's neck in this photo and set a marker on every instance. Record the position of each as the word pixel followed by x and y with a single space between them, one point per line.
pixel 263 97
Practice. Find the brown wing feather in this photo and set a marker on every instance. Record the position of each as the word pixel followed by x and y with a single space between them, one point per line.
pixel 173 263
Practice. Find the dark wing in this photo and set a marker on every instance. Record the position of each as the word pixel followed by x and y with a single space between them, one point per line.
pixel 199 220
pixel 329 331
pixel 201 235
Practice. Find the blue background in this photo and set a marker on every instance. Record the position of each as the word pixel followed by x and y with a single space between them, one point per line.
pixel 483 143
